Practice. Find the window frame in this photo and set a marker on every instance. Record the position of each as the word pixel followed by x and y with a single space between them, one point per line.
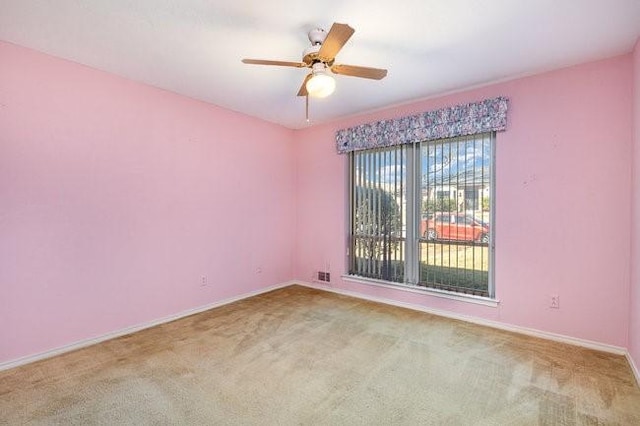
pixel 413 217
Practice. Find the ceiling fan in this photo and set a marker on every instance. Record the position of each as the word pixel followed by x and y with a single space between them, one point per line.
pixel 320 57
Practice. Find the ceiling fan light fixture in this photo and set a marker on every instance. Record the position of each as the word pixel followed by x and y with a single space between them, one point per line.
pixel 321 84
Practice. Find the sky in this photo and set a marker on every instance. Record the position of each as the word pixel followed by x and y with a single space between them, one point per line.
pixel 438 161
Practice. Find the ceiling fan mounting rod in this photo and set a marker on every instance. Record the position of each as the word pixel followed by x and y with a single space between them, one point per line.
pixel 317 36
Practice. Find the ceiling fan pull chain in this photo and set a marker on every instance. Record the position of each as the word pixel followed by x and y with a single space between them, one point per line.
pixel 307 108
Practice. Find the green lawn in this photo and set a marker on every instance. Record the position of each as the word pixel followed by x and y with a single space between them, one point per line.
pixel 443 265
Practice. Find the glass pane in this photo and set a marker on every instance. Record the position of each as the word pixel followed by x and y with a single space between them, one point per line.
pixel 455 214
pixel 378 214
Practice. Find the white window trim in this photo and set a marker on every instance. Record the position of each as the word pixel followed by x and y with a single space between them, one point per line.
pixel 452 295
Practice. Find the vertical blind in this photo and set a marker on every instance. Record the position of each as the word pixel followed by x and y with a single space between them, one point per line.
pixel 428 204
pixel 378 194
pixel 455 193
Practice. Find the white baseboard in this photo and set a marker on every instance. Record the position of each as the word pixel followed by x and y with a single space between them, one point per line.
pixel 138 327
pixel 634 368
pixel 323 286
pixel 480 321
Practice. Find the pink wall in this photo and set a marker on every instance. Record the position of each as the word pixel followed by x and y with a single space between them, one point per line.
pixel 116 197
pixel 634 328
pixel 563 207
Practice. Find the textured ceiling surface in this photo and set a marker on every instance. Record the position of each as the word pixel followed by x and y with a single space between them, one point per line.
pixel 430 47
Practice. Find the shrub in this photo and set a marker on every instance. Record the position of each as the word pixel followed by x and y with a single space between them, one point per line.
pixel 442 205
pixel 486 203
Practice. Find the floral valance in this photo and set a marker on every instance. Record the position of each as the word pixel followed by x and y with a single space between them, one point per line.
pixel 460 120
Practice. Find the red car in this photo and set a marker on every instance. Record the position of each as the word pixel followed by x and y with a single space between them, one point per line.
pixel 454 226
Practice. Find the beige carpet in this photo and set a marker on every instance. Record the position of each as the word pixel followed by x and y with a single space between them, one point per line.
pixel 302 356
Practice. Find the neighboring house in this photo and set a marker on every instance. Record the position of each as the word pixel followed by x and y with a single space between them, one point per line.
pixel 468 188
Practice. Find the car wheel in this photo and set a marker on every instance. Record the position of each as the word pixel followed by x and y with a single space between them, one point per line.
pixel 431 234
pixel 484 239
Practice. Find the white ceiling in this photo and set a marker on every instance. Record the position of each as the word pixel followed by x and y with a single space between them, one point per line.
pixel 430 47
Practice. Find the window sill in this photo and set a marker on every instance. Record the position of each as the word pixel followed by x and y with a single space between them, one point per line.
pixel 468 298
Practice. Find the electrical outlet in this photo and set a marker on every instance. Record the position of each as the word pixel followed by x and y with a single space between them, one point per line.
pixel 555 301
pixel 203 281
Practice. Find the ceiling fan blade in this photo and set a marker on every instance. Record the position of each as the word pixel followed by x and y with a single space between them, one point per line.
pixel 337 37
pixel 279 63
pixel 355 71
pixel 303 88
